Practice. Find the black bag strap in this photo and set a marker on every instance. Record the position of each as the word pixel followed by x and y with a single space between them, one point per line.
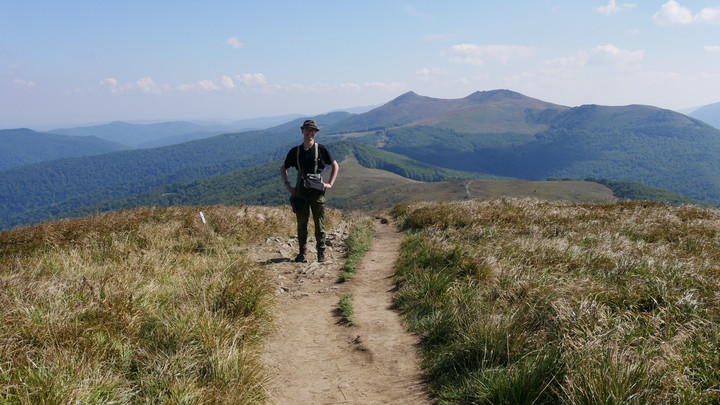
pixel 298 158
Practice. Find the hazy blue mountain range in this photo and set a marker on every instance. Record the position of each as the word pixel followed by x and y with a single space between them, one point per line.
pixel 492 134
pixel 24 146
pixel 168 133
pixel 709 113
pixel 55 187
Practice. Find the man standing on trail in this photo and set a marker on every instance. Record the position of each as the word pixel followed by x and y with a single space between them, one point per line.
pixel 309 158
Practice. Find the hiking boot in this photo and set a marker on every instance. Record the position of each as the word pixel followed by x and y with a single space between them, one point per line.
pixel 321 256
pixel 300 258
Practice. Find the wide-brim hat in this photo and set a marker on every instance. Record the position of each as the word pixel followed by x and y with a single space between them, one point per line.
pixel 310 124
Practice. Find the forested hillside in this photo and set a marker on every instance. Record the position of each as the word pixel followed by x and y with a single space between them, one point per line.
pixel 24 146
pixel 255 183
pixel 642 144
pixel 47 189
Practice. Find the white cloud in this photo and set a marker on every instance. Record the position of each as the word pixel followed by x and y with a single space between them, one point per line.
pixel 425 74
pixel 112 82
pixel 387 86
pixel 567 62
pixel 24 83
pixel 710 15
pixel 235 43
pixel 251 78
pixel 614 56
pixel 478 54
pixel 144 85
pixel 208 85
pixel 350 86
pixel 613 7
pixel 601 55
pixel 227 82
pixel 672 13
pixel 712 48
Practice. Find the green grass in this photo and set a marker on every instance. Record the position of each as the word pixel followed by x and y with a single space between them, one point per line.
pixel 358 243
pixel 522 301
pixel 345 308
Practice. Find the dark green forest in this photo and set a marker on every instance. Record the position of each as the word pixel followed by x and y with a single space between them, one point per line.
pixel 255 183
pixel 24 146
pixel 685 161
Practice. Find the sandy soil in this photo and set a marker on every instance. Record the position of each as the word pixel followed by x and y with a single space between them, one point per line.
pixel 314 358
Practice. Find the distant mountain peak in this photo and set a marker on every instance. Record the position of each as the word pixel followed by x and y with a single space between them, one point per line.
pixel 493 94
pixel 408 97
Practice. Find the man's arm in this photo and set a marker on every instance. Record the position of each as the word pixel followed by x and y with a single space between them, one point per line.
pixel 284 176
pixel 333 174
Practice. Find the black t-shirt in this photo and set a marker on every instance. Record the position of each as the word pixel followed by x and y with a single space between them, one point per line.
pixel 307 158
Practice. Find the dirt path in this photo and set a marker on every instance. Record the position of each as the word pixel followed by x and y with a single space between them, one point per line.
pixel 315 359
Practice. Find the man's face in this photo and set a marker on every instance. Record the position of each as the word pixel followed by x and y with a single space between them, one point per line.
pixel 309 133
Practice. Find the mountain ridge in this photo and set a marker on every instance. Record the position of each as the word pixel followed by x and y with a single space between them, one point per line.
pixel 511 136
pixel 709 113
pixel 23 146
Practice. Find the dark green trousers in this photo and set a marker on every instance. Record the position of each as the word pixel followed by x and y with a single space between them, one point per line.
pixel 316 204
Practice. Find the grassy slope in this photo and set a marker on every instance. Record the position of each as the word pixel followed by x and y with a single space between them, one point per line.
pixel 139 306
pixel 529 302
pixel 378 190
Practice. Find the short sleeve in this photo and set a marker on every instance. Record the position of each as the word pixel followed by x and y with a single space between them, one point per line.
pixel 291 159
pixel 326 156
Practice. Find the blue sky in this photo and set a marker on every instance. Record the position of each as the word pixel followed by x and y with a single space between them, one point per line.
pixel 81 62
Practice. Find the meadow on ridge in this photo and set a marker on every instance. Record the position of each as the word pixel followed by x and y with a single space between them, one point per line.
pixel 138 306
pixel 524 301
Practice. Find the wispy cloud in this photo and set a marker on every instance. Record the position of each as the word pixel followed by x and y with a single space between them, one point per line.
pixel 712 48
pixel 144 85
pixel 426 74
pixel 616 57
pixel 478 54
pixel 414 12
pixel 112 83
pixel 235 43
pixel 226 82
pixel 601 55
pixel 385 86
pixel 251 78
pixel 208 85
pixel 613 7
pixel 24 83
pixel 672 13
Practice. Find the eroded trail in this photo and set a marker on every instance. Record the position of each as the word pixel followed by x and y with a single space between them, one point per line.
pixel 315 359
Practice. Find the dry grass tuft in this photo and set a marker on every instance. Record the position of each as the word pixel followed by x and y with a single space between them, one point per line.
pixel 139 306
pixel 523 301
